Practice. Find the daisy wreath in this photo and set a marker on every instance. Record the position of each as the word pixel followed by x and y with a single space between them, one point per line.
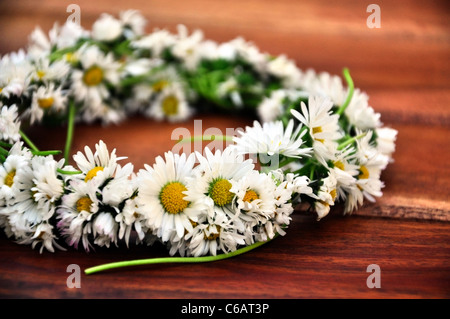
pixel 317 142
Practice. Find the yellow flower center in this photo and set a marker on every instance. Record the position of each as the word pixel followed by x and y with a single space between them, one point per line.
pixel 220 193
pixel 45 103
pixel 324 203
pixel 316 130
pixel 250 196
pixel 93 76
pixel 170 105
pixel 212 236
pixel 70 57
pixel 333 194
pixel 9 179
pixel 172 198
pixel 364 172
pixel 339 165
pixel 158 86
pixel 92 173
pixel 40 74
pixel 84 204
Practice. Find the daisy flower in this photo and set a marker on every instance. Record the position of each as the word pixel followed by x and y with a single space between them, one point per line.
pixel 273 106
pixel 272 138
pixel 345 171
pixel 47 99
pixel 9 123
pixel 157 41
pixel 139 67
pixel 14 74
pixel 358 112
pixel 212 235
pixel 386 138
pixel 254 203
pixel 209 191
pixel 131 219
pixel 107 113
pixel 133 20
pixel 286 70
pixel 38 44
pixel 89 85
pixel 230 87
pixel 104 229
pixel 187 47
pixel 118 195
pixel 371 163
pixel 160 80
pixel 324 85
pixel 162 198
pixel 46 71
pixel 43 235
pixel 212 50
pixel 60 37
pixel 250 53
pixel 28 213
pixel 287 191
pixel 170 104
pixel 47 185
pixel 39 190
pixel 323 126
pixel 75 213
pixel 34 204
pixel 106 28
pixel 15 163
pixel 99 165
pixel 89 209
pixel 254 194
pixel 326 195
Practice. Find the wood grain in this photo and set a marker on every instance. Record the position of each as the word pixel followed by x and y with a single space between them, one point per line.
pixel 411 49
pixel 403 66
pixel 326 259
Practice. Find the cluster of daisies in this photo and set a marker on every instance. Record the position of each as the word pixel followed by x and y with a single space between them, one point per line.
pixel 318 141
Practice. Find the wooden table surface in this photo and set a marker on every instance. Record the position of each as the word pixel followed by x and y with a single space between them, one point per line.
pixel 403 66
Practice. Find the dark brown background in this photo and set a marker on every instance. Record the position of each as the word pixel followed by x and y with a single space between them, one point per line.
pixel 404 68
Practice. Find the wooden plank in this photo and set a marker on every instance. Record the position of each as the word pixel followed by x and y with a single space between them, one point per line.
pixel 403 67
pixel 320 35
pixel 326 259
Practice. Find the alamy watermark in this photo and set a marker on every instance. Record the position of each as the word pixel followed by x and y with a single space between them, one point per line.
pixel 218 140
pixel 75 15
pixel 74 279
pixel 374 279
pixel 374 19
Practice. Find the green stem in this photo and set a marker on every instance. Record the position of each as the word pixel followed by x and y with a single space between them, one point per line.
pixel 3 151
pixel 70 129
pixel 61 171
pixel 165 260
pixel 4 144
pixel 28 141
pixel 287 161
pixel 350 141
pixel 311 175
pixel 351 88
pixel 45 153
